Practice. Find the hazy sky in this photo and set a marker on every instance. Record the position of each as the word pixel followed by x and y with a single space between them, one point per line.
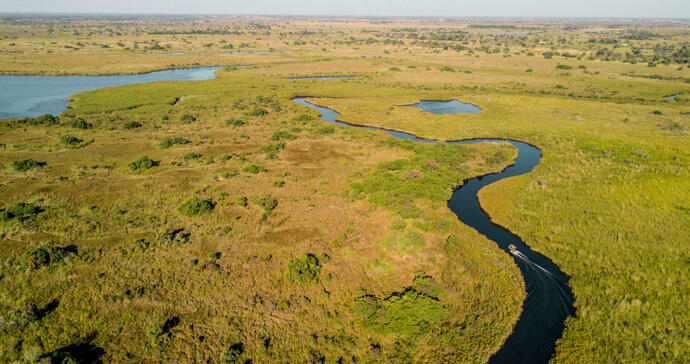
pixel 454 8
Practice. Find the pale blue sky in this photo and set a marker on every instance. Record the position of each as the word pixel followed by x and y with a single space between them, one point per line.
pixel 449 8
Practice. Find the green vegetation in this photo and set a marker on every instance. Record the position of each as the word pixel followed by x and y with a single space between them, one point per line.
pixel 410 313
pixel 132 125
pixel 19 211
pixel 267 203
pixel 258 112
pixel 254 169
pixel 80 123
pixel 607 203
pixel 171 142
pixel 187 118
pixel 26 164
pixel 303 269
pixel 282 135
pixel 143 163
pixel 235 122
pixel 196 206
pixel 71 141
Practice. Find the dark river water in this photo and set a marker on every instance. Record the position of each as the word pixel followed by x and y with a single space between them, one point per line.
pixel 549 299
pixel 22 96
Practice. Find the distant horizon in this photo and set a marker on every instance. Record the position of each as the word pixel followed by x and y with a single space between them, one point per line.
pixel 363 16
pixel 568 9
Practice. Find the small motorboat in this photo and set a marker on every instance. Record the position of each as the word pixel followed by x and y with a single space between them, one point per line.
pixel 512 249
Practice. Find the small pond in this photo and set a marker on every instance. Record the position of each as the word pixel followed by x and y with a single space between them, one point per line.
pixel 446 107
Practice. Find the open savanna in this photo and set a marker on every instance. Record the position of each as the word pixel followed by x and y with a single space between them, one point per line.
pixel 608 203
pixel 137 288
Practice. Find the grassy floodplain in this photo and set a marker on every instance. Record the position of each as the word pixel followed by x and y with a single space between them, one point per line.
pixel 235 225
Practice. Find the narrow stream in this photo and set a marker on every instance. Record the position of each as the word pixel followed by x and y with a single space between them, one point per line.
pixel 549 299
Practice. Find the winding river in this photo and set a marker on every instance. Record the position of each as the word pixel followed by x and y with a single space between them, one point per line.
pixel 549 299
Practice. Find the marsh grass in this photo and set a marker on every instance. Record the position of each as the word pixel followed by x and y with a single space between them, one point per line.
pixel 611 218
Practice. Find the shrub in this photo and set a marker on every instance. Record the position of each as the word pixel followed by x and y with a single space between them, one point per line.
pixel 20 211
pixel 154 332
pixel 303 117
pixel 529 70
pixel 70 141
pixel 46 255
pixel 563 67
pixel 447 69
pixel 37 258
pixel 80 123
pixel 412 312
pixel 214 255
pixel 177 236
pixel 232 354
pixel 398 225
pixel 272 148
pixel 278 184
pixel 141 244
pixel 409 313
pixel 328 129
pixel 45 119
pixel 169 142
pixel 657 112
pixel 20 318
pixel 26 164
pixel 241 201
pixel 427 285
pixel 191 155
pixel 303 269
pixel 282 135
pixel 254 169
pixel 187 118
pixel 142 163
pixel 258 112
pixel 235 122
pixel 395 165
pixel 131 125
pixel 267 203
pixel 196 206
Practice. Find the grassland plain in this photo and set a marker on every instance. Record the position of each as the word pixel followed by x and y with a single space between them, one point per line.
pixel 608 203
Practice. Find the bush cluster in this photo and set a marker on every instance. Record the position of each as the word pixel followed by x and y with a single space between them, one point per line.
pixel 46 255
pixel 254 169
pixel 131 125
pixel 44 120
pixel 20 211
pixel 303 269
pixel 258 112
pixel 142 163
pixel 26 164
pixel 169 142
pixel 187 118
pixel 411 313
pixel 70 141
pixel 267 203
pixel 196 206
pixel 80 123
pixel 282 135
pixel 235 122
